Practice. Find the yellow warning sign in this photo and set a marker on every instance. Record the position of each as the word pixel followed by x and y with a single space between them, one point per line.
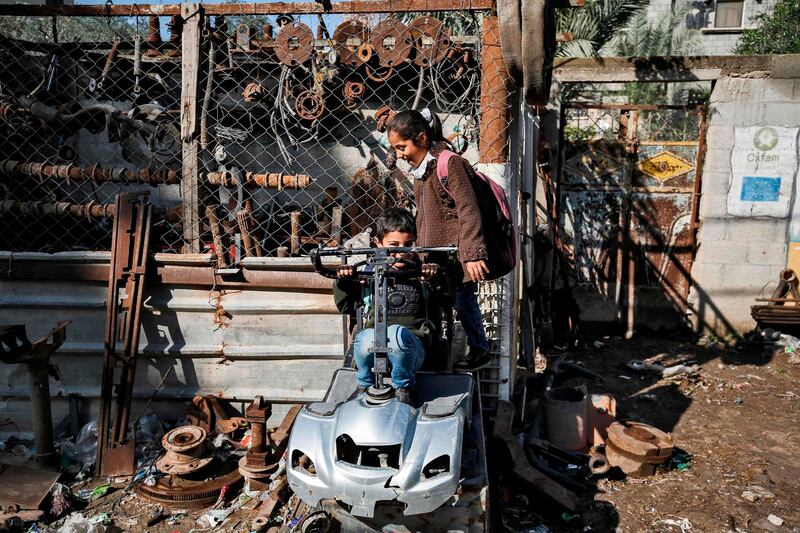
pixel 665 166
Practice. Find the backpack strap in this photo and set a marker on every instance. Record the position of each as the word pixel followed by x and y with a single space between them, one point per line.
pixel 441 168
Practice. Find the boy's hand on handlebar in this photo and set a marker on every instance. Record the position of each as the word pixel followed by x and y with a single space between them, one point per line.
pixel 429 270
pixel 345 271
pixel 477 270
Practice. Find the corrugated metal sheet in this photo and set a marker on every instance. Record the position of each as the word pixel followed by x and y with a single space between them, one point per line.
pixel 283 345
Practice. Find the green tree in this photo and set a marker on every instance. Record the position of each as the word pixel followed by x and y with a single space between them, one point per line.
pixel 69 29
pixel 777 32
pixel 595 25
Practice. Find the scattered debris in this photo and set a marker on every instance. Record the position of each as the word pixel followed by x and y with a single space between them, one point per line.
pixel 637 448
pixel 663 371
pixel 775 520
pixel 754 493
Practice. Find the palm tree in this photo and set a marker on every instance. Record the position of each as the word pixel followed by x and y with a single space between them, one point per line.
pixel 595 25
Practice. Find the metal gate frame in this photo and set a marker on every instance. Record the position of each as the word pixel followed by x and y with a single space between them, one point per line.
pixel 626 245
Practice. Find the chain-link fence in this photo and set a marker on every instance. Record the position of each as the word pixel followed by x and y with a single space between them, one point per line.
pixel 290 143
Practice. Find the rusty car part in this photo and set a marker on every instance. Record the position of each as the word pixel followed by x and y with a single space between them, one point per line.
pixel 272 180
pixel 280 436
pixel 25 488
pixel 522 468
pixel 379 74
pixel 431 40
pixel 244 36
pixel 216 239
pixel 175 26
pixel 309 105
pixel 246 226
pixel 129 260
pixel 637 448
pixel 782 308
pixel 267 32
pixel 347 38
pixel 112 56
pixel 153 39
pixel 391 41
pixel 352 92
pixel 365 52
pixel 215 414
pixel 15 348
pixel 254 92
pixel 382 116
pixel 277 496
pixel 89 211
pixel 186 451
pixel 295 44
pixel 93 173
pixel 183 491
pixel 260 462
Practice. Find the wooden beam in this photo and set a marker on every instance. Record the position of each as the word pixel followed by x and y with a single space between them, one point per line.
pixel 191 13
pixel 661 69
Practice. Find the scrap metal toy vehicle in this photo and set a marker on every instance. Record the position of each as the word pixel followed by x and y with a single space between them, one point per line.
pixel 353 454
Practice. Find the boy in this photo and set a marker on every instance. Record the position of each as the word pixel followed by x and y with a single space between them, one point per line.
pixel 413 315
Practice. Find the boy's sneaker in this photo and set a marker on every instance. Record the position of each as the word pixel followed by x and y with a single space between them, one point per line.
pixel 405 395
pixel 474 361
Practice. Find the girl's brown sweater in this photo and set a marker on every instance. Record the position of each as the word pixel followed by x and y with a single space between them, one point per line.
pixel 445 219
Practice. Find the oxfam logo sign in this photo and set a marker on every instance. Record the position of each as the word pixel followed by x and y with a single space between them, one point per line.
pixel 765 139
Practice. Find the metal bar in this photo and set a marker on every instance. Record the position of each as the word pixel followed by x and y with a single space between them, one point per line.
pixel 276 8
pixel 668 143
pixel 636 107
pixel 694 224
pixel 93 173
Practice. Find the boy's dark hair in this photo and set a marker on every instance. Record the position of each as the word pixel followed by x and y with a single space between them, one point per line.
pixel 409 124
pixel 395 219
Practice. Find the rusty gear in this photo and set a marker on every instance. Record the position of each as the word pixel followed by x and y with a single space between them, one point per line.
pixel 348 37
pixel 295 44
pixel 391 41
pixel 431 40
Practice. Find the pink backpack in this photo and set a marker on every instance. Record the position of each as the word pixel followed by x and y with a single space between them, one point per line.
pixel 499 230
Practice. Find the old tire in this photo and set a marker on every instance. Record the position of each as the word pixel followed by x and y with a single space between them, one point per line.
pixel 510 22
pixel 538 50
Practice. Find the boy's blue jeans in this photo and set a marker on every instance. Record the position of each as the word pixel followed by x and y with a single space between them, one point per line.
pixel 469 313
pixel 405 358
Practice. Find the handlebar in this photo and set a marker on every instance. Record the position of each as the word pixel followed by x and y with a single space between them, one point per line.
pixel 340 251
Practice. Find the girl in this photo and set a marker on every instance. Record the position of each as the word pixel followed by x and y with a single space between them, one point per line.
pixel 447 216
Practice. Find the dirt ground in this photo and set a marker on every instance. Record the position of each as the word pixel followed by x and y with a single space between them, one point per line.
pixel 739 419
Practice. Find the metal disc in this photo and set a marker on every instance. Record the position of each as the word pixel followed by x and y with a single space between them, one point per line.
pixel 347 38
pixel 295 44
pixel 392 41
pixel 431 40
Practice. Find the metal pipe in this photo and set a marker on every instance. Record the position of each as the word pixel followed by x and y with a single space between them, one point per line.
pixel 89 211
pixel 273 180
pixel 42 419
pixel 216 238
pixel 93 173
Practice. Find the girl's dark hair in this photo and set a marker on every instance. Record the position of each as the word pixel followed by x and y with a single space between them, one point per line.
pixel 409 124
pixel 395 219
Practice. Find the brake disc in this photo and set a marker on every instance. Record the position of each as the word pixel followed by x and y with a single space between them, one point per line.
pixel 431 40
pixel 392 41
pixel 347 38
pixel 295 44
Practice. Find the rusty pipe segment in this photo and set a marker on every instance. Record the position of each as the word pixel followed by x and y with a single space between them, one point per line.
pixel 90 210
pixel 392 42
pixel 93 173
pixel 175 26
pixel 348 37
pixel 431 40
pixel 273 180
pixel 153 40
pixel 309 105
pixel 382 116
pixel 294 44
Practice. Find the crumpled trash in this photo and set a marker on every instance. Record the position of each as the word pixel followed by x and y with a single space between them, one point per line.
pixel 665 371
pixel 682 524
pixel 99 491
pixel 149 429
pixel 61 500
pixel 214 517
pixel 84 449
pixel 681 460
pixel 77 523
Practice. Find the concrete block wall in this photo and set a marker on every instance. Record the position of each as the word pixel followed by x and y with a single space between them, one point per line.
pixel 739 258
